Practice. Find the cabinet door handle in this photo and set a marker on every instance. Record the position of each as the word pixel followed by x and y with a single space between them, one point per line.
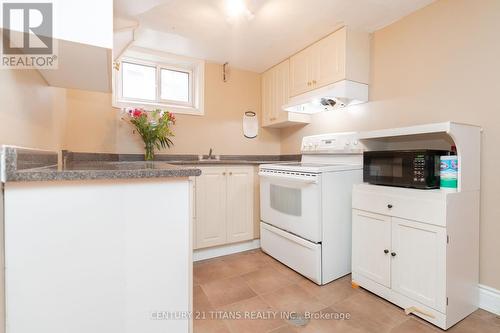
pixel 389 206
pixel 224 173
pixel 230 173
pixel 386 251
pixel 314 81
pixel 309 83
pixel 393 254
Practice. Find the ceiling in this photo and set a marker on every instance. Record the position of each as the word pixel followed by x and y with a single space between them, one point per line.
pixel 275 30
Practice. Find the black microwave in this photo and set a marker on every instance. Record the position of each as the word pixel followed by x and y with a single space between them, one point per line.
pixel 403 168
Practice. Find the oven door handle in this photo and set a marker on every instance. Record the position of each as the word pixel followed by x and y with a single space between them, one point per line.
pixel 298 179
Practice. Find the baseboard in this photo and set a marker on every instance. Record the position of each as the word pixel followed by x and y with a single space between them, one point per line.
pixel 224 250
pixel 489 299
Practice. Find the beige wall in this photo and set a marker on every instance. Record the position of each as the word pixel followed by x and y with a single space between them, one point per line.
pixel 94 126
pixel 440 63
pixel 29 114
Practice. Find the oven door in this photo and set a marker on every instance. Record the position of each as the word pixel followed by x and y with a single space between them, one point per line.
pixel 291 201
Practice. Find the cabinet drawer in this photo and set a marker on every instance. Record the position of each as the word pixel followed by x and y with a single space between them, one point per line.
pixel 412 207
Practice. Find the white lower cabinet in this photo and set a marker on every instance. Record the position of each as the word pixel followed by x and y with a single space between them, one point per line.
pixel 239 210
pixel 407 256
pixel 418 262
pixel 224 205
pixel 371 239
pixel 210 207
pixel 425 264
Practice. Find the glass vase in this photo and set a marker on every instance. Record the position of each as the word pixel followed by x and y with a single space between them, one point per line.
pixel 149 154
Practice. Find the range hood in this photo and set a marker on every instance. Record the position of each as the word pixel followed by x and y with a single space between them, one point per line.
pixel 333 96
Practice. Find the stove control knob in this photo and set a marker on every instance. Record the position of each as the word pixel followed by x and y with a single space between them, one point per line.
pixel 355 142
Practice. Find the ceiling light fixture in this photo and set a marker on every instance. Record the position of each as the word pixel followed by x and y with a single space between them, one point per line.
pixel 237 8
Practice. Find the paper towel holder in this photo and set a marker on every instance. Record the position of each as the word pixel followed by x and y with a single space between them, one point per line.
pixel 250 125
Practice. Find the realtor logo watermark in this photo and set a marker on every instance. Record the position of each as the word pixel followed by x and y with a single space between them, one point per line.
pixel 27 36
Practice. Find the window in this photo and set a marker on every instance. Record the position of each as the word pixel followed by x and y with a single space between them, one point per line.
pixel 174 85
pixel 138 82
pixel 150 81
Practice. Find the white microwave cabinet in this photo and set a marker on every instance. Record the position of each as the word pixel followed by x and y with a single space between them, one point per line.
pixel 418 249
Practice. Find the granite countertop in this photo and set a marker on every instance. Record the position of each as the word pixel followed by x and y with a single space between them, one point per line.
pixel 182 159
pixel 21 164
pixel 34 165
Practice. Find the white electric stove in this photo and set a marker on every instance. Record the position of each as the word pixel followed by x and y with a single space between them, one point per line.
pixel 306 207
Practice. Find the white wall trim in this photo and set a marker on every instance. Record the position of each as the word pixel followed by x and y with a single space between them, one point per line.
pixel 489 299
pixel 223 250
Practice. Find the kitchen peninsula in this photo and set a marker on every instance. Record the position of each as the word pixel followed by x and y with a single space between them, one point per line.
pixel 95 246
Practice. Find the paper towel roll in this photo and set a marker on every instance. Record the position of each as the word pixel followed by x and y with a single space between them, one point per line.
pixel 250 125
pixel 449 172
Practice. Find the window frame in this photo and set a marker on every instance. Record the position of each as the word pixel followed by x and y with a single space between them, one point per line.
pixel 190 102
pixel 136 100
pixel 194 67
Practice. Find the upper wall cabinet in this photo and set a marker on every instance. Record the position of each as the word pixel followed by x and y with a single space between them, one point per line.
pixel 345 54
pixel 275 93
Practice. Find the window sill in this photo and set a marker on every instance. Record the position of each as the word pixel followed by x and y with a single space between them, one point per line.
pixel 177 109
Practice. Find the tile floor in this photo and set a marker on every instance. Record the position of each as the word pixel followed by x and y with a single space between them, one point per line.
pixel 252 283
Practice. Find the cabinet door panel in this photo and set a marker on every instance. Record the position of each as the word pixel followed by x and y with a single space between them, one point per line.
pixel 275 94
pixel 419 266
pixel 331 59
pixel 282 90
pixel 211 207
pixel 299 72
pixel 267 97
pixel 240 191
pixel 371 236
